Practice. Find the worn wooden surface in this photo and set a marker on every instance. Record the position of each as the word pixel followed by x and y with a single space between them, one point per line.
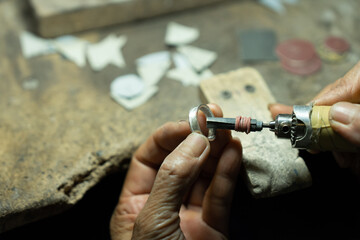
pixel 271 165
pixel 56 142
pixel 60 139
pixel 63 17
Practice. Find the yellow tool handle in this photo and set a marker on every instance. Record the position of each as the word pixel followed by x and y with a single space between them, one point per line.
pixel 324 138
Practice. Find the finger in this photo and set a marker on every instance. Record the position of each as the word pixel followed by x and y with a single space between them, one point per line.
pixel 222 137
pixel 198 190
pixel 164 140
pixel 178 171
pixel 196 195
pixel 324 91
pixel 218 198
pixel 215 109
pixel 345 119
pixel 167 138
pixel 346 89
pixel 148 158
pixel 278 108
pixel 217 146
pixel 349 160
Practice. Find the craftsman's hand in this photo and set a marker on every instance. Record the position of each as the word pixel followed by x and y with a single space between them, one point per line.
pixel 344 96
pixel 179 186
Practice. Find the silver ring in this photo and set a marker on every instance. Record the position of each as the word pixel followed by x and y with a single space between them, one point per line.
pixel 194 123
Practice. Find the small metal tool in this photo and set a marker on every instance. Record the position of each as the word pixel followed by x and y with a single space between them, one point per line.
pixel 230 123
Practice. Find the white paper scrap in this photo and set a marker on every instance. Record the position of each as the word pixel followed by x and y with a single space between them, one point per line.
pixel 119 1
pixel 152 73
pixel 207 73
pixel 163 56
pixel 187 76
pixel 31 84
pixel 108 51
pixel 152 67
pixel 291 1
pixel 177 34
pixel 180 61
pixel 199 58
pixel 33 46
pixel 135 102
pixel 127 86
pixel 72 48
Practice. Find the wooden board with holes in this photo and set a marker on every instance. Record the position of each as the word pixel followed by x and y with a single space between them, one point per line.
pixel 272 166
pixel 62 17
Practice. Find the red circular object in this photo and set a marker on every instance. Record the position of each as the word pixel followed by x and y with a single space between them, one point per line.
pixel 311 67
pixel 296 50
pixel 337 44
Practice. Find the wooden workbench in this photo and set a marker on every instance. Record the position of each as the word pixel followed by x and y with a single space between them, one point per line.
pixel 59 140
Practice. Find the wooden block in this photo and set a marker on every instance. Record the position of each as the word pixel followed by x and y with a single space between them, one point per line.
pixel 62 17
pixel 272 166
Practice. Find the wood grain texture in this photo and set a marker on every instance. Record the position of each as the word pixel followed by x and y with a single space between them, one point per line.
pixel 63 17
pixel 272 166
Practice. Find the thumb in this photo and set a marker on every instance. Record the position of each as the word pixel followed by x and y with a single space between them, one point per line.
pixel 160 216
pixel 345 119
pixel 346 88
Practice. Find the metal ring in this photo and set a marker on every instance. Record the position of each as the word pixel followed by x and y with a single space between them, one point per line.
pixel 194 123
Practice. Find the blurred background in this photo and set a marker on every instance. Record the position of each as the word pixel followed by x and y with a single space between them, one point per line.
pixel 83 83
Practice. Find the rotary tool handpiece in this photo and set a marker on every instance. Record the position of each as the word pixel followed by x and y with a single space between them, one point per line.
pixel 308 127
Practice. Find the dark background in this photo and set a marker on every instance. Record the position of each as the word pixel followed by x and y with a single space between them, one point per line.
pixel 328 209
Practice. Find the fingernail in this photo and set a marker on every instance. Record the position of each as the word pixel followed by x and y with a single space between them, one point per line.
pixel 197 144
pixel 343 112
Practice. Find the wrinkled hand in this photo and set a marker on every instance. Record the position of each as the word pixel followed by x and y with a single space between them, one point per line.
pixel 179 186
pixel 344 96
